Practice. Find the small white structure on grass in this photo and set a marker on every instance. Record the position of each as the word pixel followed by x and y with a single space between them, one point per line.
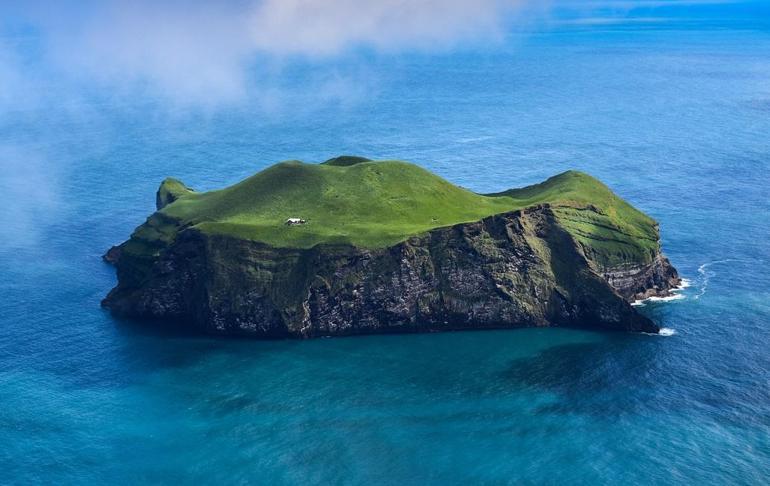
pixel 295 221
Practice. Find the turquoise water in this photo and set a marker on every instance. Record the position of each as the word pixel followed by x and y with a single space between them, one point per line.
pixel 675 119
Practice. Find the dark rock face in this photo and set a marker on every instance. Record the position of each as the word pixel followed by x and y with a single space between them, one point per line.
pixel 113 255
pixel 519 269
pixel 637 282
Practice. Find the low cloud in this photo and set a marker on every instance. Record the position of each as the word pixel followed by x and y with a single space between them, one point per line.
pixel 14 85
pixel 204 52
pixel 30 200
pixel 214 52
pixel 322 27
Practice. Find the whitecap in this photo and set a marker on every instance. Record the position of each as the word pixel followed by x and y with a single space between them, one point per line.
pixel 706 275
pixel 475 139
pixel 668 298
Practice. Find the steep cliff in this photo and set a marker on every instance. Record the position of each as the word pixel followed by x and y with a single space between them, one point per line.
pixel 551 259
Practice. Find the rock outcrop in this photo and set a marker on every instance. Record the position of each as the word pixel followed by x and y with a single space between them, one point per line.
pixel 516 269
pixel 169 191
pixel 635 281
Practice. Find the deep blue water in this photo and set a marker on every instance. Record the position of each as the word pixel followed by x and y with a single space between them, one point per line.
pixel 676 120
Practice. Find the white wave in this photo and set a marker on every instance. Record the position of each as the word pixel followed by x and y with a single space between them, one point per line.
pixel 474 139
pixel 664 331
pixel 705 275
pixel 667 298
pixel 675 295
pixel 704 278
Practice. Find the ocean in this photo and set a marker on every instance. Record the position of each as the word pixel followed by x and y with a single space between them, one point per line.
pixel 674 117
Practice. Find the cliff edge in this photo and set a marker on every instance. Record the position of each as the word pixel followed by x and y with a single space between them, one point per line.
pixel 388 247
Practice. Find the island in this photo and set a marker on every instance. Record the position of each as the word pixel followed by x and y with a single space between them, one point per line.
pixel 354 246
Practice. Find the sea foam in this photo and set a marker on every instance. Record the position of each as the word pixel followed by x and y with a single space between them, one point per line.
pixel 675 295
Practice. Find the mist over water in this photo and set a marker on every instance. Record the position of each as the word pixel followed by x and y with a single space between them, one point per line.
pixel 672 114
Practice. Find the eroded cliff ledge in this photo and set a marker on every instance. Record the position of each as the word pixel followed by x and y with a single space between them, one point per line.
pixel 561 263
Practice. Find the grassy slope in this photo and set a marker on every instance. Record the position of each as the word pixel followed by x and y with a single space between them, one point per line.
pixel 376 204
pixel 612 230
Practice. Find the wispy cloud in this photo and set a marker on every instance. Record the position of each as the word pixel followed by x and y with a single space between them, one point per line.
pixel 14 87
pixel 214 52
pixel 322 27
pixel 218 52
pixel 30 199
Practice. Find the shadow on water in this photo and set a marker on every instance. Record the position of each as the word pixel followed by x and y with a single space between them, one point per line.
pixel 123 352
pixel 584 375
pixel 632 374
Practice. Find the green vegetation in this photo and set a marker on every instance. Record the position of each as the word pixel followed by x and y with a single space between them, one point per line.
pixel 351 200
pixel 610 230
pixel 170 190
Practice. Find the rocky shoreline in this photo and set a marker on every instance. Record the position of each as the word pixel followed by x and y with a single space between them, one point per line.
pixel 639 282
pixel 511 270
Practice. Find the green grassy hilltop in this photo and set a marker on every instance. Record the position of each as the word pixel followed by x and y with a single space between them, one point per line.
pixel 351 200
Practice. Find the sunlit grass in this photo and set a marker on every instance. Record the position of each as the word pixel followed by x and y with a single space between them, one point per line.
pixel 377 204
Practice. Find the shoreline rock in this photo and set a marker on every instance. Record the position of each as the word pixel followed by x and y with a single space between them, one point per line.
pixel 511 270
pixel 639 282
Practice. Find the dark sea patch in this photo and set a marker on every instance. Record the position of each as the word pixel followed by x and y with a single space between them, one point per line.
pixel 759 104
